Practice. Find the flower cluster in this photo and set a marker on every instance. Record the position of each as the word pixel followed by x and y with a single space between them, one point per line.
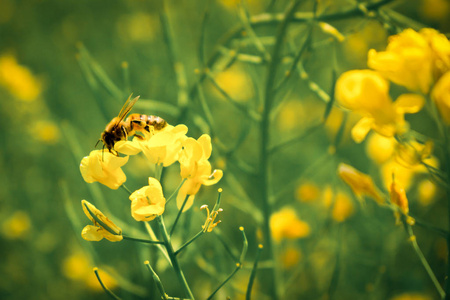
pixel 162 148
pixel 418 61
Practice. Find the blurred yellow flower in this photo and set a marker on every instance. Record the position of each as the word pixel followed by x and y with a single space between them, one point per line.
pixel 411 296
pixel 76 266
pixel 46 131
pixel 380 148
pixel 413 59
pixel 360 183
pixel 343 207
pixel 285 224
pixel 196 169
pixel 290 257
pixel 398 195
pixel 367 93
pixel 435 10
pixel 18 80
pixel 104 167
pixel 148 202
pixel 162 147
pixel 441 97
pixel 102 228
pixel 307 192
pixel 427 192
pixel 236 83
pixel 17 225
pixel 412 153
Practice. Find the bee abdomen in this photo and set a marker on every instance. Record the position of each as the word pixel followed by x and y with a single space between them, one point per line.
pixel 146 121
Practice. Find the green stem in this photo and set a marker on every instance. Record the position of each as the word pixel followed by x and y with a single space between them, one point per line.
pixel 248 294
pixel 178 215
pixel 265 139
pixel 190 241
pixel 238 267
pixel 423 260
pixel 176 191
pixel 107 291
pixel 142 240
pixel 173 258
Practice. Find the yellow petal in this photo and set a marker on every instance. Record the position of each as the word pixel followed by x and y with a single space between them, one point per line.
pixel 361 129
pixel 409 103
pixel 91 233
pixel 128 147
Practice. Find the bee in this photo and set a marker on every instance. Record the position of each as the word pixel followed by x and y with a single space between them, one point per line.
pixel 120 128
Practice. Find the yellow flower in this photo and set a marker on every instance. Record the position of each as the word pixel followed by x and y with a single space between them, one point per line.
pixel 367 93
pixel 441 96
pixel 412 153
pixel 285 224
pixel 290 257
pixel 210 218
pixel 427 192
pixel 413 59
pixel 17 225
pixel 102 228
pixel 103 167
pixel 196 169
pixel 18 79
pixel 162 147
pixel 148 202
pixel 307 192
pixel 360 183
pixel 343 207
pixel 411 296
pixel 398 196
pixel 380 148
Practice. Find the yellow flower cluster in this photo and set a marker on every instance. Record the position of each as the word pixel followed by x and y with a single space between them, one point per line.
pixel 285 224
pixel 162 148
pixel 419 61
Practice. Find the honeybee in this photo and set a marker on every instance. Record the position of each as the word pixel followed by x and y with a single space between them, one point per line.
pixel 120 128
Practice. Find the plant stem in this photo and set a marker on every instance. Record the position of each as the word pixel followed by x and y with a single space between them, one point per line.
pixel 423 260
pixel 265 139
pixel 173 258
pixel 142 240
pixel 190 241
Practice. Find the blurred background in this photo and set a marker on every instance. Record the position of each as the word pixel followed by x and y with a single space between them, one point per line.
pixel 66 68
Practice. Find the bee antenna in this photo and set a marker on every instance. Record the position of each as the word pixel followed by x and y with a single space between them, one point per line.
pixel 97 144
pixel 103 152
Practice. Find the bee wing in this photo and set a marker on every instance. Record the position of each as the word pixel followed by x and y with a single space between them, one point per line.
pixel 126 108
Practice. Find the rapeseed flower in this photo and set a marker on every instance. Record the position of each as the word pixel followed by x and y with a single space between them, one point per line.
pixel 360 183
pixel 148 202
pixel 102 228
pixel 413 59
pixel 104 167
pixel 196 169
pixel 366 92
pixel 441 97
pixel 285 224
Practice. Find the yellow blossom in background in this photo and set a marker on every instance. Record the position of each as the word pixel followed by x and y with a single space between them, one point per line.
pixel 441 97
pixel 16 226
pixel 412 153
pixel 196 169
pixel 102 228
pixel 360 183
pixel 413 59
pixel 162 147
pixel 46 131
pixel 138 27
pixel 307 192
pixel 427 192
pixel 435 10
pixel 380 148
pixel 18 79
pixel 367 93
pixel 104 167
pixel 343 207
pixel 77 266
pixel 290 257
pixel 411 296
pixel 148 202
pixel 236 83
pixel 285 224
pixel 291 115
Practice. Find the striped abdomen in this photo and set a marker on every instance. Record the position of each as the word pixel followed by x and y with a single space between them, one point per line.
pixel 140 122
